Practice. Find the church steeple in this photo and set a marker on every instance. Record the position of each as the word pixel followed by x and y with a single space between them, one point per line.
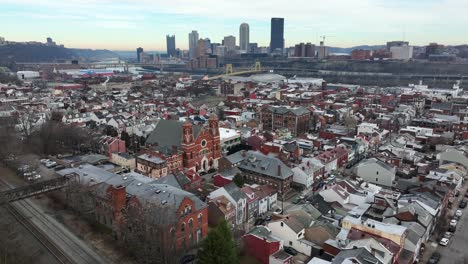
pixel 214 125
pixel 187 132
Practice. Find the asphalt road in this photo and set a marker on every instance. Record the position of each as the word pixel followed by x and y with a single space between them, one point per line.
pixel 457 250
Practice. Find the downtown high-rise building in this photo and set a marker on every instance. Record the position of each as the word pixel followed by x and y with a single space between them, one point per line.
pixel 193 44
pixel 139 54
pixel 230 43
pixel 244 37
pixel 170 44
pixel 277 35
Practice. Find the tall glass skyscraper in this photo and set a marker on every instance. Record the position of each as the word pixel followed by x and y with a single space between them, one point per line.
pixel 193 44
pixel 277 34
pixel 171 47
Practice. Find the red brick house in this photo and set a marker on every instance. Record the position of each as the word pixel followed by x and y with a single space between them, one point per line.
pixel 200 145
pixel 260 245
pixel 112 145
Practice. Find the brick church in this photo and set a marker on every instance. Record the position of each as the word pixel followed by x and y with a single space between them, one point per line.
pixel 198 146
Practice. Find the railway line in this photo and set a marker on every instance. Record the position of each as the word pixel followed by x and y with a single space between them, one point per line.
pixel 63 245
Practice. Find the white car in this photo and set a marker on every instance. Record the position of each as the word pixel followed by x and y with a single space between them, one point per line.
pixel 37 177
pixel 459 213
pixel 44 161
pixel 453 222
pixel 448 235
pixel 51 164
pixel 444 241
pixel 278 211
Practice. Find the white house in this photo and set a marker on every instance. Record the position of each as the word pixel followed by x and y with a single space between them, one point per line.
pixel 291 230
pixel 375 171
pixel 236 197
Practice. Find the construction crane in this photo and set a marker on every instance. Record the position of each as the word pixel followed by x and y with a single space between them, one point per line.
pixel 324 37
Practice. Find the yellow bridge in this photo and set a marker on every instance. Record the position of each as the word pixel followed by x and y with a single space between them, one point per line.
pixel 256 68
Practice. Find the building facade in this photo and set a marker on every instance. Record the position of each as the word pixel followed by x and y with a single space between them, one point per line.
pixel 277 34
pixel 193 41
pixel 200 146
pixel 296 120
pixel 244 37
pixel 171 46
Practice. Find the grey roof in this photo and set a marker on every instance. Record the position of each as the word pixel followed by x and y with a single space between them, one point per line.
pixel 152 159
pixel 284 110
pixel 168 133
pixel 235 191
pixel 261 164
pixel 424 217
pixel 360 254
pixel 160 194
pixel 94 158
pixel 424 198
pixel 169 179
pixel 377 162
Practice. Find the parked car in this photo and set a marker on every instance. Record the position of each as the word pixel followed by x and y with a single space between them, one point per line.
pixel 435 257
pixel 448 235
pixel 459 213
pixel 37 177
pixel 462 204
pixel 453 222
pixel 456 217
pixel 268 218
pixel 44 161
pixel 187 259
pixel 296 200
pixel 278 211
pixel 290 251
pixel 51 164
pixel 60 167
pixel 452 229
pixel 444 241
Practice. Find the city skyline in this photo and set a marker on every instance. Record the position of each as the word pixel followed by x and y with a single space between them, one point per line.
pixel 123 25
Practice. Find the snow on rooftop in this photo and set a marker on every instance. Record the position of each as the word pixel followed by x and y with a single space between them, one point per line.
pixel 226 133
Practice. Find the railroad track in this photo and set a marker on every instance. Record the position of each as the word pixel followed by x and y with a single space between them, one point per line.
pixel 56 252
pixel 60 242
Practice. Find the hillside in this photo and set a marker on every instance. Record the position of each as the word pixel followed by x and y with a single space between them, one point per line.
pixel 27 52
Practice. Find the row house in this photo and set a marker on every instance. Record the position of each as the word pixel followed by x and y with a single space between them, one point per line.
pixel 334 159
pixel 260 169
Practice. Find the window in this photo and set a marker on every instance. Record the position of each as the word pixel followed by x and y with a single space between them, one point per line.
pixel 200 218
pixel 282 224
pixel 377 173
pixel 182 227
pixel 290 243
pixel 376 179
pixel 190 223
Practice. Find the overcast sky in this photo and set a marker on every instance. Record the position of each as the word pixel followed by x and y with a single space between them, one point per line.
pixel 125 24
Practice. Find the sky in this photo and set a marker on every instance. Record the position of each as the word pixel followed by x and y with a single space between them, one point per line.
pixel 127 24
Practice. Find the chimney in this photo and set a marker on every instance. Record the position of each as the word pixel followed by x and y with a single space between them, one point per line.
pixel 243 152
pixel 279 170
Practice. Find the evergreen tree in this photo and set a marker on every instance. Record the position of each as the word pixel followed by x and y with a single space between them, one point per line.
pixel 218 247
pixel 239 180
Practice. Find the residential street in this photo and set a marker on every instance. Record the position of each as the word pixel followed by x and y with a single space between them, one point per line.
pixel 457 251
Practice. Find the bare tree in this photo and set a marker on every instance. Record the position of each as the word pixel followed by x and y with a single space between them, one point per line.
pixel 26 122
pixel 148 236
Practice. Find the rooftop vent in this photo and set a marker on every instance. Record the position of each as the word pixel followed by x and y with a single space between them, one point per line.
pixel 164 202
pixel 139 184
pixel 125 178
pixel 158 191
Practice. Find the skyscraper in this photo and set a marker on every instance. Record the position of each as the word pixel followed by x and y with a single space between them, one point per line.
pixel 193 43
pixel 139 52
pixel 171 47
pixel 244 36
pixel 277 34
pixel 230 43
